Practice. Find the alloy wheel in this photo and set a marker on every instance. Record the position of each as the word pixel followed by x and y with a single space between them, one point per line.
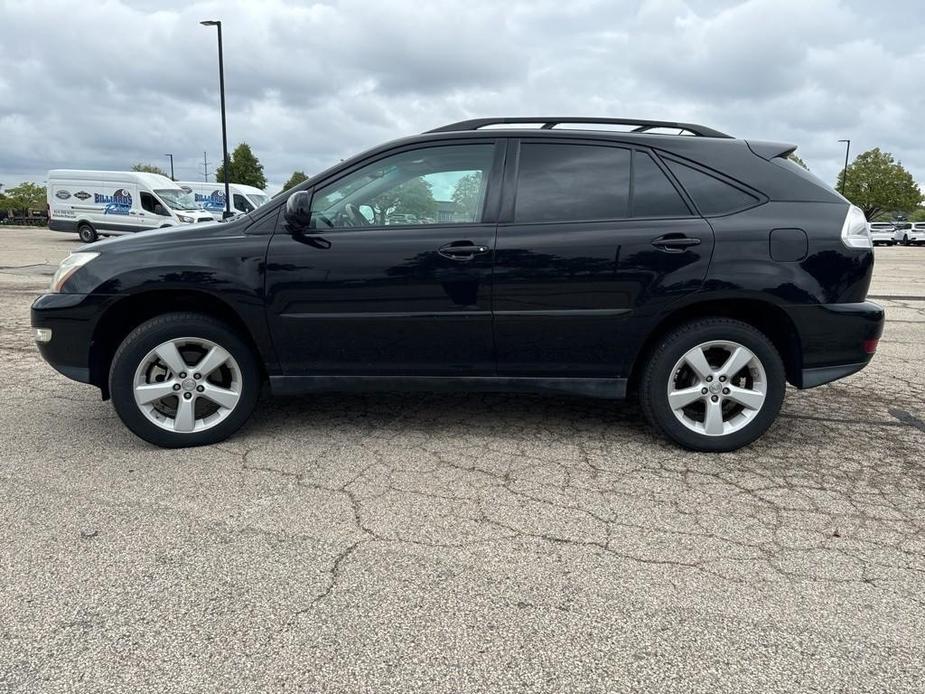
pixel 187 384
pixel 717 388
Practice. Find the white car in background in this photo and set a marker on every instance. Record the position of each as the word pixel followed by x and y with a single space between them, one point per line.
pixel 882 232
pixel 907 234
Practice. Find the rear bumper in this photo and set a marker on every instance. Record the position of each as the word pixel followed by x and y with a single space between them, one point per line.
pixel 835 339
pixel 69 225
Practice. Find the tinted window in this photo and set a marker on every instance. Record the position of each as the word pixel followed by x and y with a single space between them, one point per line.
pixel 444 185
pixel 710 194
pixel 147 201
pixel 240 203
pixel 572 182
pixel 653 194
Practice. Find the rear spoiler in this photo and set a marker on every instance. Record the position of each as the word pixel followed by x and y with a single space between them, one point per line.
pixel 771 150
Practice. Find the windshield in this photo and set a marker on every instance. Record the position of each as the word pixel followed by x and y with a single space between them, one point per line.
pixel 177 199
pixel 258 200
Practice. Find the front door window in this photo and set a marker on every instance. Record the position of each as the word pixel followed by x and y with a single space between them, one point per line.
pixel 437 185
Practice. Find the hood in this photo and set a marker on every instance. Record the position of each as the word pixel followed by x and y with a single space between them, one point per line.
pixel 174 234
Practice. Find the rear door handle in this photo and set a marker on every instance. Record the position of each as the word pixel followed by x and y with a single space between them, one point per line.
pixel 462 250
pixel 675 243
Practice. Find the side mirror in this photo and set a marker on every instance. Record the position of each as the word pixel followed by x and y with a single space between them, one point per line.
pixel 159 209
pixel 299 210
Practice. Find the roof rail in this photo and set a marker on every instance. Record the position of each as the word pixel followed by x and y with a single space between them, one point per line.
pixel 549 123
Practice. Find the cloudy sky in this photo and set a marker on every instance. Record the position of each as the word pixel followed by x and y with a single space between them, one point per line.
pixel 101 85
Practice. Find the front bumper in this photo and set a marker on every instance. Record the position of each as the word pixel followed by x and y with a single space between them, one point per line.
pixel 71 319
pixel 836 339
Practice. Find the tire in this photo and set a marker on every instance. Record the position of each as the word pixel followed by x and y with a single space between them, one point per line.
pixel 87 233
pixel 905 239
pixel 234 380
pixel 719 338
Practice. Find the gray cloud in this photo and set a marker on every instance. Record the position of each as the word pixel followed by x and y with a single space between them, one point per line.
pixel 103 85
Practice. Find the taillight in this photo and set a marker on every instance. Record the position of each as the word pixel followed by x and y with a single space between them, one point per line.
pixel 870 346
pixel 855 232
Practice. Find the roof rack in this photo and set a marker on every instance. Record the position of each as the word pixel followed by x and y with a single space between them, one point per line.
pixel 642 126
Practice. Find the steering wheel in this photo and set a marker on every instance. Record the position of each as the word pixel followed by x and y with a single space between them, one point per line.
pixel 321 218
pixel 355 216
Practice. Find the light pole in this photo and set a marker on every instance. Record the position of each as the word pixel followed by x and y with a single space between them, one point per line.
pixel 844 176
pixel 172 178
pixel 221 87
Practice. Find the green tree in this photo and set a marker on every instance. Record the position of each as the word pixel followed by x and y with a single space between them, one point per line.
pixel 25 197
pixel 917 215
pixel 413 197
pixel 798 160
pixel 466 195
pixel 149 168
pixel 295 179
pixel 244 168
pixel 877 183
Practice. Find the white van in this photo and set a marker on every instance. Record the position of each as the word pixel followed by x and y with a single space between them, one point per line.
pixel 110 203
pixel 211 196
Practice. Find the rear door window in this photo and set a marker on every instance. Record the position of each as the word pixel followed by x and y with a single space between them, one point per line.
pixel 711 195
pixel 653 194
pixel 570 183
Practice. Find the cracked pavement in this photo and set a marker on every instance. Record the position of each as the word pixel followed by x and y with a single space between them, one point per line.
pixel 453 543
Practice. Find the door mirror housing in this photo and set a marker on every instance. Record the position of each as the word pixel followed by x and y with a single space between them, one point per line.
pixel 161 210
pixel 299 210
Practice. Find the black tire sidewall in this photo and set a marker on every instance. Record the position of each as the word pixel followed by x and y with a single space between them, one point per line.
pixel 156 331
pixel 654 395
pixel 90 233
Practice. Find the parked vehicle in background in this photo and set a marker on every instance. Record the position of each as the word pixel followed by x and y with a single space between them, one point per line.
pixel 211 197
pixel 910 233
pixel 700 271
pixel 882 233
pixel 112 203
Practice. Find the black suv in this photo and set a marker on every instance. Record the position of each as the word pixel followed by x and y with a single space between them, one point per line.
pixel 587 256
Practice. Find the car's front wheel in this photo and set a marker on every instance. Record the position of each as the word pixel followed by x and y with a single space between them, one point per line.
pixel 184 379
pixel 714 384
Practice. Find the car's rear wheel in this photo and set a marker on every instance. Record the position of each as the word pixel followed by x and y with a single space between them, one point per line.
pixel 714 384
pixel 87 233
pixel 184 379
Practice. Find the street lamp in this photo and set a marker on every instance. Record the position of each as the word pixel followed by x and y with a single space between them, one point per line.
pixel 221 85
pixel 844 176
pixel 171 167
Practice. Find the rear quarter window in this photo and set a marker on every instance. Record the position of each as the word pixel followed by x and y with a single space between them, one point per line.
pixel 711 195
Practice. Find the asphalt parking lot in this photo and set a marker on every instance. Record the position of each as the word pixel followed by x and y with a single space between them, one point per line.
pixel 462 543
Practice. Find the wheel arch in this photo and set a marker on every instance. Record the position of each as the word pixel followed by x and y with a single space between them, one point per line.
pixel 769 318
pixel 128 313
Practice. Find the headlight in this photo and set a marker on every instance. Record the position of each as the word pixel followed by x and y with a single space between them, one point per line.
pixel 185 219
pixel 854 232
pixel 68 267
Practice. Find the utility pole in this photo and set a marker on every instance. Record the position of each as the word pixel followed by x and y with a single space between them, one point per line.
pixel 172 177
pixel 205 168
pixel 226 172
pixel 844 176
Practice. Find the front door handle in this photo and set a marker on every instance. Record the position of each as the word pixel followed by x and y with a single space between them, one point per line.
pixel 674 243
pixel 462 250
